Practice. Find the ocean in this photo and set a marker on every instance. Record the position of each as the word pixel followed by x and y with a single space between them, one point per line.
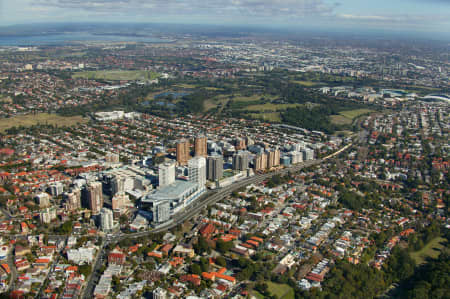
pixel 72 37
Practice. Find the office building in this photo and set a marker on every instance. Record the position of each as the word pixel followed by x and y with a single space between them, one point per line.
pixel 117 184
pixel 183 152
pixel 106 220
pixel 214 168
pixel 161 211
pixel 308 154
pixel 179 195
pixel 197 171
pixel 298 147
pixel 120 201
pixel 166 172
pixel 240 161
pixel 200 147
pixel 296 157
pixel 95 197
pixel 125 179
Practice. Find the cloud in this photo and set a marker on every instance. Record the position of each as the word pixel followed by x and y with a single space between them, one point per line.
pixel 405 19
pixel 436 1
pixel 415 22
pixel 254 8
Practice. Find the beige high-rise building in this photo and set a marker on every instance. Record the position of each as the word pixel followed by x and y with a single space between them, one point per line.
pixel 95 197
pixel 120 201
pixel 73 200
pixel 249 141
pixel 112 158
pixel 183 152
pixel 260 162
pixel 200 146
pixel 274 158
pixel 239 144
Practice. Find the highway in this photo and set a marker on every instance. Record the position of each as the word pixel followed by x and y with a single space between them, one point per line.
pixel 209 198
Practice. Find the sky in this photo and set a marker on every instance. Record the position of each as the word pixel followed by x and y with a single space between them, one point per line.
pixel 421 16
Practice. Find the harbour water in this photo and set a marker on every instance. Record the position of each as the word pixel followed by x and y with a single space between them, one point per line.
pixel 72 37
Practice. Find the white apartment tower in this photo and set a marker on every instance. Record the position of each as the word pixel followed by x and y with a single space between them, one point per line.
pixel 197 171
pixel 166 172
pixel 106 219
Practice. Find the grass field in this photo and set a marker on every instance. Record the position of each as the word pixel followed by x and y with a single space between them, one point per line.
pixel 210 104
pixel 340 120
pixel 187 86
pixel 41 118
pixel 213 88
pixel 354 113
pixel 255 97
pixel 282 291
pixel 345 133
pixel 214 102
pixel 347 117
pixel 116 75
pixel 271 107
pixel 306 83
pixel 268 116
pixel 431 250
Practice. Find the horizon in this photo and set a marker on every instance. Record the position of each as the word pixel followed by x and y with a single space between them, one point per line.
pixel 409 18
pixel 58 28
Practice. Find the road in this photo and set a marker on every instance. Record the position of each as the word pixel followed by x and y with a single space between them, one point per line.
pixel 6 213
pixel 209 198
pixel 94 277
pixel 52 268
pixel 13 269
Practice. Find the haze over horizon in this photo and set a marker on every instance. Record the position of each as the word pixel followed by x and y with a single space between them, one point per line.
pixel 430 18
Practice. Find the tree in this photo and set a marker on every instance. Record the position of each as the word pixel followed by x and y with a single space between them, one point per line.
pixel 204 264
pixel 223 247
pixel 123 219
pixel 220 261
pixel 85 270
pixel 196 269
pixel 400 265
pixel 66 228
pixel 201 246
pixel 116 283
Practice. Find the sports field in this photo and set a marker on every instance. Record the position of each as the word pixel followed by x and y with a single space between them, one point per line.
pixel 271 107
pixel 117 75
pixel 40 118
